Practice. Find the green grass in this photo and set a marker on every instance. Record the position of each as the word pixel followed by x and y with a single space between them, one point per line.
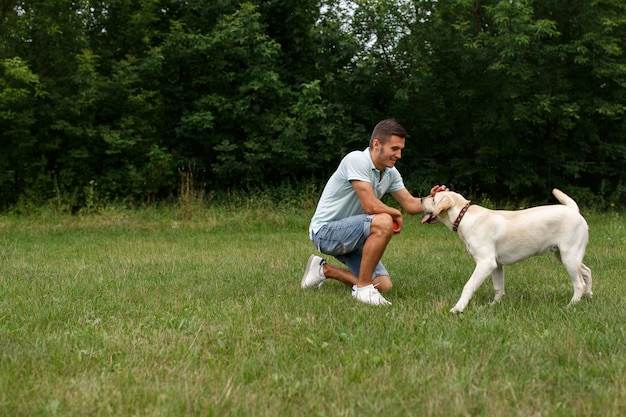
pixel 143 314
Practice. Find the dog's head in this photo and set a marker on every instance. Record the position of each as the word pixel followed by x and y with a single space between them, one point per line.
pixel 437 207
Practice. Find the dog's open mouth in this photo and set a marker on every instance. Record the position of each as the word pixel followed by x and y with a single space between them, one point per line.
pixel 429 218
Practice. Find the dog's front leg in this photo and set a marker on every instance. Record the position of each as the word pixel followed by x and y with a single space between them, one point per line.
pixel 498 283
pixel 481 272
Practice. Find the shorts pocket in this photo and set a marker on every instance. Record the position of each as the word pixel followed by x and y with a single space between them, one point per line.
pixel 332 247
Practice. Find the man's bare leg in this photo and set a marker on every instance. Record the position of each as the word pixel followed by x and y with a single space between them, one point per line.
pixel 381 232
pixel 382 283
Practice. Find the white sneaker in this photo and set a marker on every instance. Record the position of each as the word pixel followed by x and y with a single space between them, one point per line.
pixel 313 273
pixel 369 295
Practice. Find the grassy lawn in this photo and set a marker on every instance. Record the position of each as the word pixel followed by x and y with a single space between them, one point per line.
pixel 144 314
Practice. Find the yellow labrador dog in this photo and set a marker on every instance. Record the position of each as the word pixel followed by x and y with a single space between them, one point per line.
pixel 500 237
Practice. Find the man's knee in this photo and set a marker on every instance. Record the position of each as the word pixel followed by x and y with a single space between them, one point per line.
pixel 382 223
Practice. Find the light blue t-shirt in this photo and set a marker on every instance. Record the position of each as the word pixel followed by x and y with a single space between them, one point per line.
pixel 339 199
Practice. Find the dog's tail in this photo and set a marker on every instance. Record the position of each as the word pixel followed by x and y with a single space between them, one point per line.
pixel 565 199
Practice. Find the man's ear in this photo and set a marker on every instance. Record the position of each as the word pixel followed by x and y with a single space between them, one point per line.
pixel 442 205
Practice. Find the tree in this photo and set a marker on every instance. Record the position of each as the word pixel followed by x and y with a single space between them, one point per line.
pixel 508 98
pixel 113 97
pixel 19 89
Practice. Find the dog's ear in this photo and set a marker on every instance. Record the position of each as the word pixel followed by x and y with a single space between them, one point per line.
pixel 442 205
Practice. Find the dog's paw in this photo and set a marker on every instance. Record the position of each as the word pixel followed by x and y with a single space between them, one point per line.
pixel 456 310
pixel 495 302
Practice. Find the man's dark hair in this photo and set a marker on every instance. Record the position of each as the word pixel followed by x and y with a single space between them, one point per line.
pixel 387 128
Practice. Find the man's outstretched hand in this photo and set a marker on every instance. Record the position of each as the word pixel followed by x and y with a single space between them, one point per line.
pixel 436 189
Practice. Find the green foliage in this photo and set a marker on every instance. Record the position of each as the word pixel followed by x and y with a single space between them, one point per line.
pixel 519 111
pixel 506 99
pixel 19 90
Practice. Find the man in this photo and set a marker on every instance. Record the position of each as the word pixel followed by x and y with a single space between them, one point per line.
pixel 351 222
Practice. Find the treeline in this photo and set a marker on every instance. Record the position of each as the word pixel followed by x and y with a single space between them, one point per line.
pixel 118 100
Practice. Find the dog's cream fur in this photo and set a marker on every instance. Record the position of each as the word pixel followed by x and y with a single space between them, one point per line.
pixel 500 237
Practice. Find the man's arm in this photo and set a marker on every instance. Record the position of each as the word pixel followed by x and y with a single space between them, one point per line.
pixel 369 202
pixel 413 205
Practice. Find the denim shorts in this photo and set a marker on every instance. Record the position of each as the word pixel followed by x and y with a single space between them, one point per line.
pixel 344 239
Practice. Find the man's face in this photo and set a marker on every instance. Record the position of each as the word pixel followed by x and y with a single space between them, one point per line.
pixel 386 155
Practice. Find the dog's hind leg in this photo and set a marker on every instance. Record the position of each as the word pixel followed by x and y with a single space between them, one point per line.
pixel 498 283
pixel 481 272
pixel 574 269
pixel 586 272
